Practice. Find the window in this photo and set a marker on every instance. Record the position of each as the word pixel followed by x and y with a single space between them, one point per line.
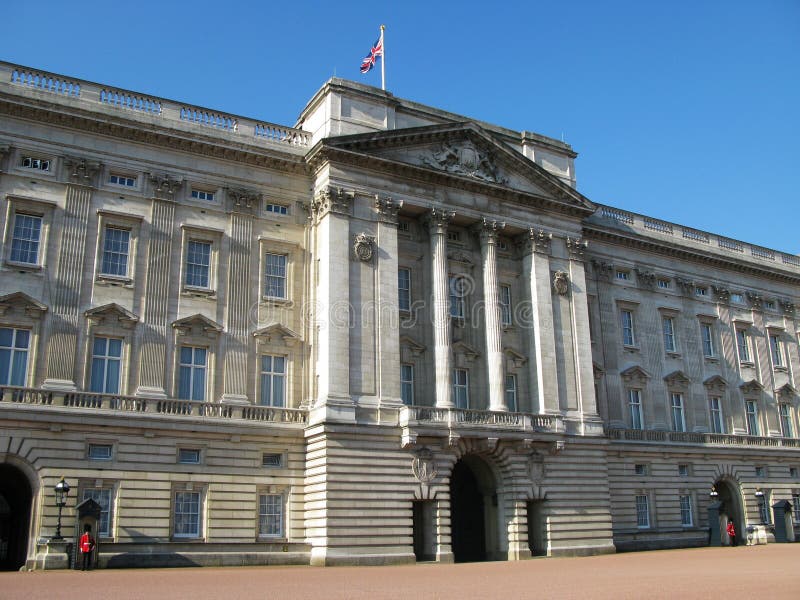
pixel 505 305
pixel 278 209
pixel 640 469
pixel 624 275
pixel 203 195
pixel 407 384
pixel 14 355
pixel 511 393
pixel 761 471
pixel 404 289
pixel 668 326
pixel 635 407
pixel 776 350
pixel 793 472
pixel 737 298
pixel 678 420
pixel 38 164
pixel 687 519
pixel 751 412
pixel 461 388
pixel 270 515
pixel 272 459
pixel 707 335
pixel 100 451
pixel 189 456
pixel 763 507
pixel 701 291
pixel 403 226
pixel 683 470
pixel 785 412
pixel 628 337
pixel 187 515
pixel 642 512
pixel 743 345
pixel 664 284
pixel 192 373
pixel 106 365
pixel 122 180
pixel 103 496
pixel 715 413
pixel 796 507
pixel 275 276
pixel 769 304
pixel 116 248
pixel 198 263
pixel 457 291
pixel 454 236
pixel 273 380
pixel 25 239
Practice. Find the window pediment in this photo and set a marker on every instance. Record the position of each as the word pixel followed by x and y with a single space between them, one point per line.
pixel 677 379
pixel 197 326
pixel 108 313
pixel 716 383
pixel 635 375
pixel 751 387
pixel 277 333
pixel 415 347
pixel 22 302
pixel 465 350
pixel 786 391
pixel 515 357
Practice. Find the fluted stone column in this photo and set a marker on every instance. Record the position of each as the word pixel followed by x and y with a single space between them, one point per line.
pixel 488 232
pixel 66 314
pixel 438 220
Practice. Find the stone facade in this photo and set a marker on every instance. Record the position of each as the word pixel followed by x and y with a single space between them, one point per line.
pixel 387 334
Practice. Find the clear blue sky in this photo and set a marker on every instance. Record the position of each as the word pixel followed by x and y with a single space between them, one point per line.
pixel 683 110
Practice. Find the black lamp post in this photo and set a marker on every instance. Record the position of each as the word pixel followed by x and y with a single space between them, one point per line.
pixel 62 491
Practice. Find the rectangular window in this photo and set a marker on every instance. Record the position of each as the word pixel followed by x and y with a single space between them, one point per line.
pixel 701 291
pixel 687 519
pixel 278 209
pixel 628 337
pixel 461 388
pixel 198 263
pixel 189 456
pixel 715 413
pixel 116 248
pixel 635 407
pixel 14 356
pixel 100 451
pixel 664 284
pixel 192 373
pixel 796 507
pixel 407 384
pixel 273 380
pixel 122 180
pixel 505 305
pixel 769 304
pixel 25 239
pixel 707 335
pixel 642 512
pixel 776 350
pixel 275 276
pixel 272 459
pixel 38 164
pixel 106 365
pixel 761 471
pixel 793 473
pixel 668 325
pixel 454 236
pixel 785 411
pixel 683 470
pixel 103 496
pixel 511 393
pixel 456 293
pixel 737 298
pixel 640 469
pixel 187 514
pixel 751 411
pixel 743 345
pixel 404 288
pixel 270 515
pixel 623 275
pixel 678 420
pixel 763 508
pixel 403 226
pixel 203 195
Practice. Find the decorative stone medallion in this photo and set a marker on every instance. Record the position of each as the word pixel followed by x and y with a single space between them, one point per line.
pixel 424 466
pixel 364 247
pixel 561 283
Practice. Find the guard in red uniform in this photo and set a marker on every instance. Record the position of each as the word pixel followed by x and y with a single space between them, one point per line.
pixel 731 533
pixel 86 546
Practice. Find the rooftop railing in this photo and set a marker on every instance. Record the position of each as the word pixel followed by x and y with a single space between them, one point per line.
pixel 708 439
pixel 142 106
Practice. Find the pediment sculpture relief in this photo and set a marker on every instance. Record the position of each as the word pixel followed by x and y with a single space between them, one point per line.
pixel 465 160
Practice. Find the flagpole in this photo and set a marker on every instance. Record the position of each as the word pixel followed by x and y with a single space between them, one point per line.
pixel 383 60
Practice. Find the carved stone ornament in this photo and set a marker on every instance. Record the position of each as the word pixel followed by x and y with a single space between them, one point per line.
pixel 464 159
pixel 536 466
pixel 561 283
pixel 576 248
pixel 489 230
pixel 787 306
pixel 756 300
pixel 438 219
pixel 645 278
pixel 423 465
pixel 535 240
pixel 722 294
pixel 164 186
pixel 364 247
pixel 332 199
pixel 81 171
pixel 686 285
pixel 603 269
pixel 243 200
pixel 387 209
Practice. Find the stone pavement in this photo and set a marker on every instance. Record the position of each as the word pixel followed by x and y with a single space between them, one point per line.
pixel 771 571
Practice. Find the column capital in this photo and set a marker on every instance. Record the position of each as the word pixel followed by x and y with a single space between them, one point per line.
pixel 242 200
pixel 387 209
pixel 164 186
pixel 438 219
pixel 536 240
pixel 81 171
pixel 576 248
pixel 332 199
pixel 488 230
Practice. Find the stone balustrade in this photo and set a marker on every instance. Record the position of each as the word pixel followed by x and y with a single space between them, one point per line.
pixel 709 439
pixel 453 418
pixel 135 105
pixel 171 407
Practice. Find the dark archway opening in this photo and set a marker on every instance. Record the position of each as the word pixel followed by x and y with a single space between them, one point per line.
pixel 730 510
pixel 424 519
pixel 467 515
pixel 15 516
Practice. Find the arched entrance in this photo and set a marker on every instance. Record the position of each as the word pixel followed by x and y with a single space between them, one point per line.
pixel 473 511
pixel 15 516
pixel 730 501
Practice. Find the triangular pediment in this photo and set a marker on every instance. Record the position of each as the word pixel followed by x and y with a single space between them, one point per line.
pixel 677 379
pixel 197 325
pixel 634 375
pixel 277 333
pixel 787 390
pixel 751 387
pixel 108 313
pixel 21 301
pixel 457 154
pixel 515 357
pixel 716 383
pixel 465 350
pixel 415 347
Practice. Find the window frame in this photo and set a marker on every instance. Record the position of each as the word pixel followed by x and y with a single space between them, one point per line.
pixel 282 497
pixel 460 386
pixel 272 374
pixel 179 457
pixel 13 351
pixel 709 345
pixel 786 420
pixel 456 296
pixel 266 277
pixel 130 222
pixel 752 418
pixel 191 366
pixel 669 335
pixel 718 410
pixel 188 488
pixel 686 510
pixel 107 359
pixel 122 175
pixel 404 291
pixel 628 330
pixel 506 305
pixel 92 444
pixel 191 234
pixel 677 408
pixel 777 350
pixel 407 384
pixel 511 393
pixel 637 393
pixel 744 345
pixel 103 486
pixel 104 251
pixel 642 504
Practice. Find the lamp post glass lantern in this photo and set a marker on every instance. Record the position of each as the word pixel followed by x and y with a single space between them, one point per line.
pixel 62 491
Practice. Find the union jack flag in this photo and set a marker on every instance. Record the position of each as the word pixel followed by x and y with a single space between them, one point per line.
pixel 374 53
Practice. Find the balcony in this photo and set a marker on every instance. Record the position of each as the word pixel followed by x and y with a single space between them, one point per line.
pixel 110 404
pixel 706 439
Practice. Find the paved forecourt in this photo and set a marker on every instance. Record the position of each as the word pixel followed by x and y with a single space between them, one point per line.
pixel 744 572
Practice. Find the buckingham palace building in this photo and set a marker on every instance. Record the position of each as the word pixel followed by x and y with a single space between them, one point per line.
pixel 387 334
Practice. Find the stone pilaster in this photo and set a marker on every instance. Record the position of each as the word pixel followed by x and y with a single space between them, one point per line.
pixel 388 333
pixel 488 232
pixel 438 221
